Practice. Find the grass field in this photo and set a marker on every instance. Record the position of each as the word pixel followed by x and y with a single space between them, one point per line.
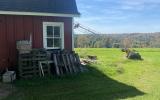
pixel 112 77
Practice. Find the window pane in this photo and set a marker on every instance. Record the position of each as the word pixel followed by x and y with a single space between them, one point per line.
pixel 49 42
pixel 57 42
pixel 49 31
pixel 56 31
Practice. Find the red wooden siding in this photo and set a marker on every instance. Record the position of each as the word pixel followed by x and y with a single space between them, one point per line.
pixel 3 43
pixel 37 32
pixel 10 26
pixel 14 28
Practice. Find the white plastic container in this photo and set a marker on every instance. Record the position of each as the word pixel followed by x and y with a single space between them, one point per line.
pixel 9 76
pixel 24 46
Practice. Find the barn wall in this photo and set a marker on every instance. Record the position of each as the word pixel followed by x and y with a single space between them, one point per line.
pixel 15 28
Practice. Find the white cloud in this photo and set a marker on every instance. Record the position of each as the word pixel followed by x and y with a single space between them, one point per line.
pixel 138 4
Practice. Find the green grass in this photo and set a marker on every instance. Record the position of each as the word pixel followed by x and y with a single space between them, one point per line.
pixel 112 77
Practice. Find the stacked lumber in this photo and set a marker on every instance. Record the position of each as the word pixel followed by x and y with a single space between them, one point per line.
pixel 29 63
pixel 40 62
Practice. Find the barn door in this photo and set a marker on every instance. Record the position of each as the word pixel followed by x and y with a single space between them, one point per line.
pixel 3 43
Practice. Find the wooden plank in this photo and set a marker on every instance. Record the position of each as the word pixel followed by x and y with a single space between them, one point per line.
pixel 56 64
pixel 49 68
pixel 72 63
pixel 42 70
pixel 26 76
pixel 31 72
pixel 65 63
pixel 77 62
pixel 60 65
pixel 27 69
pixel 69 64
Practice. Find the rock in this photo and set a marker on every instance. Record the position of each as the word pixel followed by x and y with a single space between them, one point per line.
pixel 134 55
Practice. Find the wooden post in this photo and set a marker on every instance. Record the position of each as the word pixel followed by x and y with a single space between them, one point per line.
pixel 49 67
pixel 72 63
pixel 41 72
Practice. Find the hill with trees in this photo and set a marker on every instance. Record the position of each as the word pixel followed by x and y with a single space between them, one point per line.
pixel 132 40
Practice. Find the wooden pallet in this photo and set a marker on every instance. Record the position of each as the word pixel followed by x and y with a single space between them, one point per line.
pixel 29 63
pixel 36 63
pixel 66 63
pixel 45 68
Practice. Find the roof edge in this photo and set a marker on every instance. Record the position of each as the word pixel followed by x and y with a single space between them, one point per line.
pixel 38 14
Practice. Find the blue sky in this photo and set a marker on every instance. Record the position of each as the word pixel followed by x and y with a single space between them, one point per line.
pixel 120 16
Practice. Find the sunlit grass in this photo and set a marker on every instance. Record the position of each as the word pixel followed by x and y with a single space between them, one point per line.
pixel 144 75
pixel 112 77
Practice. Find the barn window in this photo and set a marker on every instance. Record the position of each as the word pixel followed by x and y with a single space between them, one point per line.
pixel 53 35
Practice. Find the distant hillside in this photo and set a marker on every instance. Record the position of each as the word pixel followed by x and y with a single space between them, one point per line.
pixel 135 40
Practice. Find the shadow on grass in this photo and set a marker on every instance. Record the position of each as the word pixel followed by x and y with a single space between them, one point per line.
pixel 92 85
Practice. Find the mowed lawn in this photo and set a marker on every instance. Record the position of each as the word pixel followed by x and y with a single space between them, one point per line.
pixel 112 77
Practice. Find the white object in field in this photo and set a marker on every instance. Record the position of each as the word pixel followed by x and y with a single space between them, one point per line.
pixel 9 76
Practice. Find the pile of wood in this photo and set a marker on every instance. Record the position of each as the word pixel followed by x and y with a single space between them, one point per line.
pixel 29 62
pixel 66 63
pixel 90 59
pixel 40 62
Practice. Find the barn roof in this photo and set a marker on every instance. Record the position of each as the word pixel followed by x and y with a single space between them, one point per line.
pixel 40 6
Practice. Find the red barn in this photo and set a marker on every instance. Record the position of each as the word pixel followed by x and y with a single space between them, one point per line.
pixel 49 21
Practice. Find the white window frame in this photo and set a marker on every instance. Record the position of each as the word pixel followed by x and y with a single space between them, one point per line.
pixel 59 24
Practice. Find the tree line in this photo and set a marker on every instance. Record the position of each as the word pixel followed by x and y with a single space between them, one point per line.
pixel 133 40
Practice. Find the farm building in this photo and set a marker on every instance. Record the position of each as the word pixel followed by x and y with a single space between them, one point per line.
pixel 49 22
